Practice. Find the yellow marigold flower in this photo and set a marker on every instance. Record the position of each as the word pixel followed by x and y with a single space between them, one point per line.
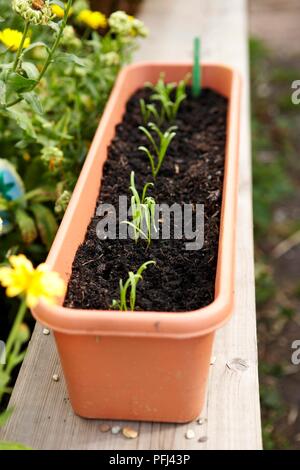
pixel 59 11
pixel 34 284
pixel 11 38
pixel 93 19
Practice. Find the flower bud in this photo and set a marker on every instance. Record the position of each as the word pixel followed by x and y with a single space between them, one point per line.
pixel 52 156
pixel 37 12
pixel 62 202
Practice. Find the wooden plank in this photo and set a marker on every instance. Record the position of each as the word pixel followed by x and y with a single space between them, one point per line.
pixel 42 417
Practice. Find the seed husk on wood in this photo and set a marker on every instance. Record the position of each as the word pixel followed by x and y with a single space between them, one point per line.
pixel 129 433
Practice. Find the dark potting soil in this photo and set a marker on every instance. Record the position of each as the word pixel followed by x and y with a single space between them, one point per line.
pixel 192 173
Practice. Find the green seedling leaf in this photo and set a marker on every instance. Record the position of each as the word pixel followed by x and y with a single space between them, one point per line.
pixel 131 283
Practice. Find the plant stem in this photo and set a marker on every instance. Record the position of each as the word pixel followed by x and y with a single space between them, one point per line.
pixel 20 49
pixel 56 42
pixel 10 344
pixel 50 54
pixel 14 331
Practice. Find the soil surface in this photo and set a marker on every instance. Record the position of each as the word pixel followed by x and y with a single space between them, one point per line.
pixel 192 173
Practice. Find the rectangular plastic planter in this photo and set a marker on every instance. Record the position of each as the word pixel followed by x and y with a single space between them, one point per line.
pixel 149 366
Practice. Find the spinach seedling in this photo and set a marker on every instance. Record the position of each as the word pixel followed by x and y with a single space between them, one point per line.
pixel 160 148
pixel 142 211
pixel 148 110
pixel 162 94
pixel 130 283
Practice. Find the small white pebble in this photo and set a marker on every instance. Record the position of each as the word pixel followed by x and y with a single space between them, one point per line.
pixel 46 331
pixel 55 377
pixel 190 434
pixel 115 429
pixel 200 421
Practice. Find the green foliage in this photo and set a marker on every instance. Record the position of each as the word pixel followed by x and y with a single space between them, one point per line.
pixel 169 96
pixel 5 415
pixel 149 110
pixel 142 211
pixel 31 216
pixel 264 283
pixel 60 86
pixel 287 312
pixel 18 336
pixel 159 148
pixel 6 445
pixel 130 286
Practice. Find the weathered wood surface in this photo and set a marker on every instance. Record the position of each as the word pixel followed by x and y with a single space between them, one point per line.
pixel 43 418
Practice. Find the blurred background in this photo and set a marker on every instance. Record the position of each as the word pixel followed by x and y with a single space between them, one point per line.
pixel 275 64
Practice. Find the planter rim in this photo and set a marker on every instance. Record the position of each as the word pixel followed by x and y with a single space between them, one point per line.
pixel 175 325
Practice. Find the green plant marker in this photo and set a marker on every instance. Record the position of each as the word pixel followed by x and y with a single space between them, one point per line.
pixel 196 79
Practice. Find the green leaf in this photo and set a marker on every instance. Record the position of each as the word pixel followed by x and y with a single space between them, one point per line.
pixel 19 83
pixel 26 225
pixel 7 66
pixel 35 44
pixel 5 445
pixel 45 222
pixel 23 121
pixel 2 92
pixel 5 415
pixel 31 70
pixel 34 102
pixel 44 194
pixel 54 26
pixel 4 204
pixel 66 57
pixel 1 19
pixel 4 379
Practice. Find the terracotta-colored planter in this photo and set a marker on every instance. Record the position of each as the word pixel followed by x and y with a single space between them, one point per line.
pixel 149 366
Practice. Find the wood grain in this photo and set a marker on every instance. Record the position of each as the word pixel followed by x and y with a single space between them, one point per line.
pixel 43 418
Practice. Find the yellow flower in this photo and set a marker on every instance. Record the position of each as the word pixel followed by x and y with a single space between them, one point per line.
pixel 11 38
pixel 34 284
pixel 59 11
pixel 93 19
